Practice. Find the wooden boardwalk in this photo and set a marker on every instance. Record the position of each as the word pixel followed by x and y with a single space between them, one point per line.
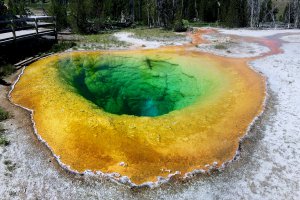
pixel 27 28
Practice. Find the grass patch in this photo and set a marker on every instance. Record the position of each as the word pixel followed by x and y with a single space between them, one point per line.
pixel 3 114
pixel 6 70
pixel 62 46
pixel 10 166
pixel 221 46
pixel 155 34
pixel 204 24
pixel 105 40
pixel 3 140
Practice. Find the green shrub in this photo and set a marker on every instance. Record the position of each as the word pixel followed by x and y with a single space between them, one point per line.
pixel 204 24
pixel 220 46
pixel 6 69
pixel 3 114
pixel 4 141
pixel 181 25
pixel 159 34
pixel 185 23
pixel 62 46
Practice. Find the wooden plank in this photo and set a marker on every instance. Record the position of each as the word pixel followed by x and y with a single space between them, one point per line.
pixel 20 33
pixel 40 17
pixel 45 24
pixel 38 29
pixel 27 36
pixel 23 61
pixel 27 62
pixel 6 41
pixel 30 60
pixel 5 36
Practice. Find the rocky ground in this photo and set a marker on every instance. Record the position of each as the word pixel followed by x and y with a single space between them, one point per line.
pixel 270 155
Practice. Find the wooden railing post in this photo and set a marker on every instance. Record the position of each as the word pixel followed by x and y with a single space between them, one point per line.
pixel 13 29
pixel 55 27
pixel 36 26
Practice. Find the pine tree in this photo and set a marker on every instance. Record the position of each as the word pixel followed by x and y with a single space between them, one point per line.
pixel 59 10
pixel 3 8
pixel 296 13
pixel 237 14
pixel 79 15
pixel 16 7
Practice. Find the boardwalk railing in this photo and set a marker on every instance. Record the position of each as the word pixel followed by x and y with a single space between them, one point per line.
pixel 26 28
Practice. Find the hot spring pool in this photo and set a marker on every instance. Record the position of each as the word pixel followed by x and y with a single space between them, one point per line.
pixel 139 86
pixel 142 114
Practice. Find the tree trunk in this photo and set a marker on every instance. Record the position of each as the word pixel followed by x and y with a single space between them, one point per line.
pixel 252 13
pixel 181 9
pixel 131 8
pixel 296 13
pixel 254 10
pixel 196 9
pixel 148 14
pixel 289 17
pixel 140 10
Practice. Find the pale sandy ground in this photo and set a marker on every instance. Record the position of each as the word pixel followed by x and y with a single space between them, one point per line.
pixel 231 47
pixel 292 38
pixel 257 33
pixel 234 48
pixel 145 44
pixel 268 167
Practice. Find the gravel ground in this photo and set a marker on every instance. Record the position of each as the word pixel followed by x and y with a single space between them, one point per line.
pixel 268 167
